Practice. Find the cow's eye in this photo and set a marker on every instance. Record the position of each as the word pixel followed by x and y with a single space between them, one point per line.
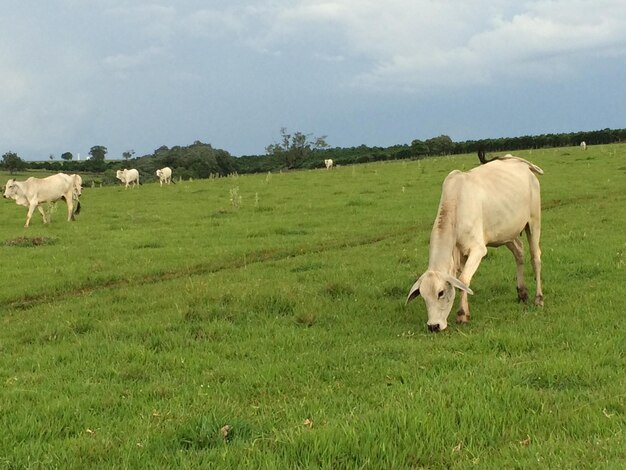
pixel 440 294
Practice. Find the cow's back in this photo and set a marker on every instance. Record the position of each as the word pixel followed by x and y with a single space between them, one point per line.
pixel 47 189
pixel 495 201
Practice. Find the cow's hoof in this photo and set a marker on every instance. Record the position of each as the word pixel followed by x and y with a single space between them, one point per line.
pixel 522 294
pixel 539 300
pixel 461 317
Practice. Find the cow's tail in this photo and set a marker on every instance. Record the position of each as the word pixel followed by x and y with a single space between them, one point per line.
pixel 483 159
pixel 77 207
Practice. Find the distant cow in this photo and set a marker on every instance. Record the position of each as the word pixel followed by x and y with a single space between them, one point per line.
pixel 128 176
pixel 35 191
pixel 329 163
pixel 487 206
pixel 165 175
pixel 583 145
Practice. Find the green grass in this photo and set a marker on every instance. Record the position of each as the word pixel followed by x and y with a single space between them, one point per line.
pixel 131 337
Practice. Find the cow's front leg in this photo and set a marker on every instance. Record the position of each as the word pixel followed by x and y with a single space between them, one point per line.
pixel 463 314
pixel 29 214
pixel 476 254
pixel 43 214
pixel 69 199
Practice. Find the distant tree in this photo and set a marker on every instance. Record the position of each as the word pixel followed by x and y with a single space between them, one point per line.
pixel 51 157
pixel 12 162
pixel 98 153
pixel 419 148
pixel 294 148
pixel 128 154
pixel 67 156
pixel 442 145
pixel 96 162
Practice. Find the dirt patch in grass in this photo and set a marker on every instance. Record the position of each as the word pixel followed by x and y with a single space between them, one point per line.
pixel 30 241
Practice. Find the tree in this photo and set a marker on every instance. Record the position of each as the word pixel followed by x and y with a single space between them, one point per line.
pixel 98 153
pixel 12 163
pixel 294 148
pixel 67 156
pixel 96 162
pixel 419 148
pixel 442 145
pixel 128 154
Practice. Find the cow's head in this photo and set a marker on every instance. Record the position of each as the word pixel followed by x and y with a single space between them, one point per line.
pixel 11 189
pixel 159 173
pixel 77 185
pixel 437 290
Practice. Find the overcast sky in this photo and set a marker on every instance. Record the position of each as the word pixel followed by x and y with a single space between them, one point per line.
pixel 129 74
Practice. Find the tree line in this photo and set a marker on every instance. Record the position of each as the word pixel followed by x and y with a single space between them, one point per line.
pixel 293 151
pixel 198 160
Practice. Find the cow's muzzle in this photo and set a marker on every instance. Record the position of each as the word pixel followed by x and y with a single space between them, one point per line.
pixel 434 328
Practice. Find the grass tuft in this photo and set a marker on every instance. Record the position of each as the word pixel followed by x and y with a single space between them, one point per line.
pixel 30 241
pixel 336 290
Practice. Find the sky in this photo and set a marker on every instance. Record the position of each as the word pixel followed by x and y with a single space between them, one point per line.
pixel 137 75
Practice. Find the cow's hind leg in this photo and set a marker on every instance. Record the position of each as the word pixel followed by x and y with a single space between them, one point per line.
pixel 533 231
pixel 517 248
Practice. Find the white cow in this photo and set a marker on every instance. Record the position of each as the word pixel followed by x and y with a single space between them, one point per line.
pixel 583 145
pixel 35 191
pixel 165 175
pixel 487 206
pixel 329 163
pixel 78 185
pixel 128 176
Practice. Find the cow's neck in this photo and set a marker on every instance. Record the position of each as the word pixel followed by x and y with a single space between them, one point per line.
pixel 443 240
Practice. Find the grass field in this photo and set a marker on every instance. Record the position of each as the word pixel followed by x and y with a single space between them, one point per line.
pixel 259 322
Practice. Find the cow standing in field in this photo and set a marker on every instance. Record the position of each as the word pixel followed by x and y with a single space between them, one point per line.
pixel 128 176
pixel 487 206
pixel 165 175
pixel 328 163
pixel 583 145
pixel 33 192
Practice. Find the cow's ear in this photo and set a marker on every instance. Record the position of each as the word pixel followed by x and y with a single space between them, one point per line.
pixel 415 290
pixel 459 285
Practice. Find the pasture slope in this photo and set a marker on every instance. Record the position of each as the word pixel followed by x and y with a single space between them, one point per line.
pixel 274 305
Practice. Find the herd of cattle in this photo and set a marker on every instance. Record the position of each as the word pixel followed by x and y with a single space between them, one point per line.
pixel 490 205
pixel 34 192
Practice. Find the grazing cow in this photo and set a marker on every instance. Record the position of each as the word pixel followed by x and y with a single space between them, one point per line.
pixel 329 163
pixel 487 206
pixel 33 192
pixel 165 175
pixel 128 176
pixel 583 145
pixel 78 185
